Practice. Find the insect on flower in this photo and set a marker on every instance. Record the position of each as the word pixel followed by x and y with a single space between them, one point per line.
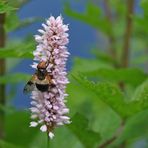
pixel 41 80
pixel 48 84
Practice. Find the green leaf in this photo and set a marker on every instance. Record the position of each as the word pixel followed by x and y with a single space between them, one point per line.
pixel 119 6
pixel 144 5
pixel 141 92
pixel 141 21
pixel 5 7
pixel 93 9
pixel 62 133
pixel 98 70
pixel 4 144
pixel 135 127
pixel 17 128
pixel 112 96
pixel 79 127
pixel 10 19
pixel 103 56
pixel 107 92
pixel 14 78
pixel 119 75
pixel 91 16
pixel 101 117
pixel 19 24
pixel 88 65
pixel 13 22
pixel 39 140
pixel 6 109
pixel 140 97
pixel 19 49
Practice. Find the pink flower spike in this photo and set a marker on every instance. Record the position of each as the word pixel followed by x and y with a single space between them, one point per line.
pixel 48 108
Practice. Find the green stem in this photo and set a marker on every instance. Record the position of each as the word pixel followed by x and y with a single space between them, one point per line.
pixel 115 136
pixel 48 141
pixel 2 72
pixel 111 38
pixel 128 32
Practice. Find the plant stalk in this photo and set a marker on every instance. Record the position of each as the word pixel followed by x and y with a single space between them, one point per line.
pixel 2 72
pixel 128 32
pixel 111 38
pixel 48 141
pixel 115 136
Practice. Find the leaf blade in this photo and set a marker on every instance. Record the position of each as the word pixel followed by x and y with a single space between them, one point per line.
pixel 79 127
pixel 14 78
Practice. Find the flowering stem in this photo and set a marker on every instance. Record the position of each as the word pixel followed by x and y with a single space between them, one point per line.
pixel 2 71
pixel 48 106
pixel 48 141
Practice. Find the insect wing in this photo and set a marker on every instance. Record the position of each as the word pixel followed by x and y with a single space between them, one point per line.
pixel 29 87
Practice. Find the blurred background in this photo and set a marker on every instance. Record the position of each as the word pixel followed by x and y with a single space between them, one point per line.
pixel 108 65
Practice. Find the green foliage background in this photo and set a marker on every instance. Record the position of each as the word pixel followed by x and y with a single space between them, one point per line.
pixel 108 101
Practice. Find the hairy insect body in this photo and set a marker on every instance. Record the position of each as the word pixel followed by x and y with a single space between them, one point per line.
pixel 41 80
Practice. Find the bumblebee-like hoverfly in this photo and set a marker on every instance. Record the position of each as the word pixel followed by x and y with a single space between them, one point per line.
pixel 42 79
